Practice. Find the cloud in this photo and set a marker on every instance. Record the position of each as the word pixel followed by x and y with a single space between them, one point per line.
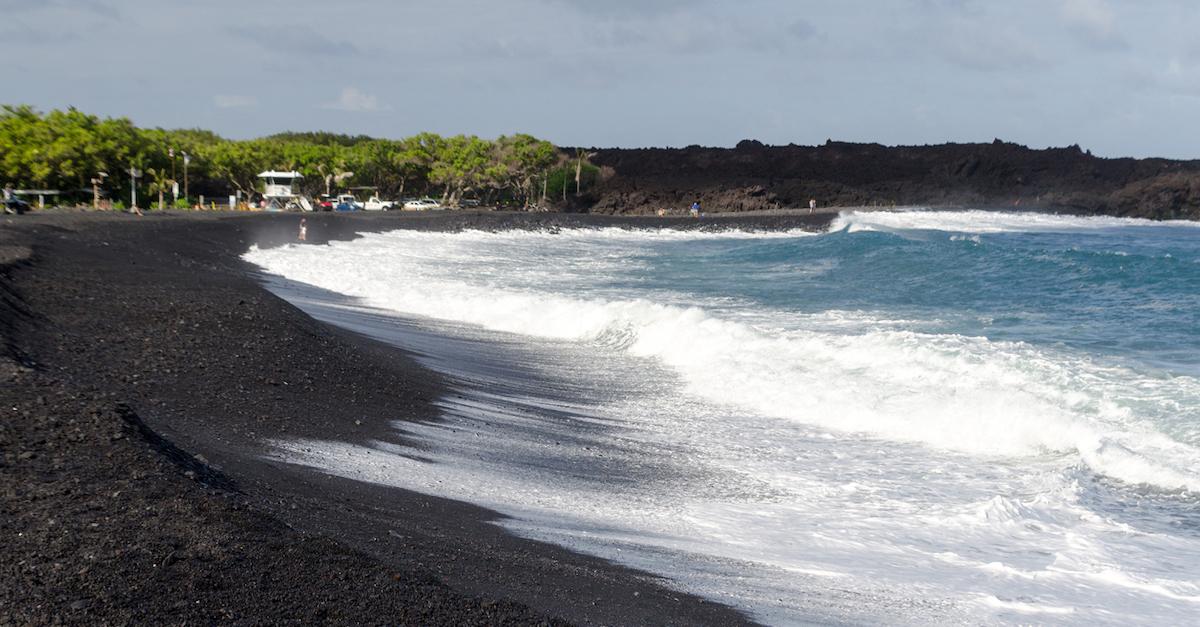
pixel 353 99
pixel 296 40
pixel 1175 77
pixel 49 22
pixel 95 7
pixel 627 8
pixel 1094 22
pixel 802 29
pixel 693 33
pixel 981 45
pixel 227 101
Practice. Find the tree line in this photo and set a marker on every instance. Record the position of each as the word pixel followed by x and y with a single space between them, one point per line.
pixel 67 150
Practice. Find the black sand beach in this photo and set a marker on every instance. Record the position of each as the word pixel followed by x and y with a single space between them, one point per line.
pixel 143 365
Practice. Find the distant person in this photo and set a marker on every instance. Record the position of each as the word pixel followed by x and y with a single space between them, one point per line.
pixel 303 230
pixel 812 205
pixel 696 209
pixel 13 204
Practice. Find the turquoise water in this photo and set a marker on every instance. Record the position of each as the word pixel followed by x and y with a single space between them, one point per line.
pixel 917 417
pixel 1123 292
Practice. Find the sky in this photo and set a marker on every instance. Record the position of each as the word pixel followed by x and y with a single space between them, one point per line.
pixel 1116 78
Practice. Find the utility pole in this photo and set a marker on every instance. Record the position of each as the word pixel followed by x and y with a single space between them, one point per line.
pixel 186 160
pixel 134 174
pixel 174 181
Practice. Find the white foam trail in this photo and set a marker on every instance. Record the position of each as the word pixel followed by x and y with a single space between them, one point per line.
pixel 978 221
pixel 952 392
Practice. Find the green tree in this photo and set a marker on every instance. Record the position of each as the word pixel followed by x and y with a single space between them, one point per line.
pixel 67 149
pixel 63 149
pixel 160 181
pixel 237 163
pixel 460 166
pixel 519 161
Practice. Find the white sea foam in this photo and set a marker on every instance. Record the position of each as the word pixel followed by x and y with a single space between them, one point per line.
pixel 952 392
pixel 978 221
pixel 793 464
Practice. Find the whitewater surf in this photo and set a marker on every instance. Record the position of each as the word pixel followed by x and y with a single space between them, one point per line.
pixel 916 417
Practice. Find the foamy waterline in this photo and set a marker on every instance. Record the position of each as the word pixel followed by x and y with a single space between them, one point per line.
pixel 793 464
pixel 957 393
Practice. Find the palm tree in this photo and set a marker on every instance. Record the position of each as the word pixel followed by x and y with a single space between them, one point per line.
pixel 578 171
pixel 159 183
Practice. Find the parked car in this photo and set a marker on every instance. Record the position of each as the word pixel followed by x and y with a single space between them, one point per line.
pixel 325 202
pixel 468 203
pixel 346 202
pixel 424 204
pixel 374 203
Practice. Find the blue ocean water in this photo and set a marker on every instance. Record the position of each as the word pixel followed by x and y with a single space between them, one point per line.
pixel 1124 291
pixel 917 417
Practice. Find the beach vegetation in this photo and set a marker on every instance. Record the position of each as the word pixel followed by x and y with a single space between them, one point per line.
pixel 159 183
pixel 65 150
pixel 572 178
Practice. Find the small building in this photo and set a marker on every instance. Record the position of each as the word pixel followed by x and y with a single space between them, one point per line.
pixel 278 192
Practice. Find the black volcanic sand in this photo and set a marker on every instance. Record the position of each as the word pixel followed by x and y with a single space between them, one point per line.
pixel 142 368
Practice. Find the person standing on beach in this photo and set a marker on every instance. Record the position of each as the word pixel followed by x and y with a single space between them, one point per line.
pixel 303 230
pixel 696 209
pixel 812 205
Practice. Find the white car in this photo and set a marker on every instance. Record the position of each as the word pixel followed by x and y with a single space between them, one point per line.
pixel 375 204
pixel 424 204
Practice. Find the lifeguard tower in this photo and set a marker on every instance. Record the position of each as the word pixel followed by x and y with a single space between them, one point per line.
pixel 278 192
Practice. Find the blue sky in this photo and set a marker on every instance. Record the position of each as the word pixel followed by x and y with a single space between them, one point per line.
pixel 1118 78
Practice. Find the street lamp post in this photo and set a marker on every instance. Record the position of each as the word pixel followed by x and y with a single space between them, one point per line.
pixel 134 174
pixel 186 160
pixel 174 184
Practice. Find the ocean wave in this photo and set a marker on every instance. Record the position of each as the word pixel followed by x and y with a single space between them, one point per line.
pixel 953 392
pixel 981 222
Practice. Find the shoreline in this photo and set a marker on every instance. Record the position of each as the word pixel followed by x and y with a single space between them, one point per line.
pixel 148 365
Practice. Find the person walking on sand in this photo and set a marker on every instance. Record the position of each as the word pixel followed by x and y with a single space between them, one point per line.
pixel 812 205
pixel 696 209
pixel 303 230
